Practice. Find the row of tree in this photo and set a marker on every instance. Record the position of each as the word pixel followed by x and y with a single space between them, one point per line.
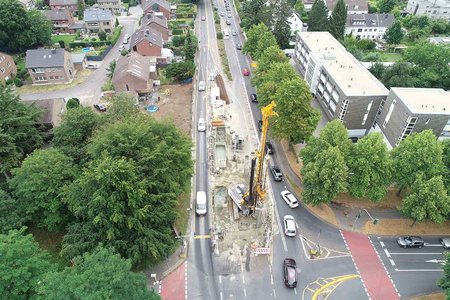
pixel 185 69
pixel 112 179
pixel 21 29
pixel 419 166
pixel 276 80
pixel 27 272
pixel 319 21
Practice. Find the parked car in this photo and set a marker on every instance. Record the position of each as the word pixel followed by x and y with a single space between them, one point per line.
pixel 203 18
pixel 125 41
pixel 127 36
pixel 222 14
pixel 254 98
pixel 100 107
pixel 246 72
pixel 229 15
pixel 445 242
pixel 201 86
pixel 289 198
pixel 228 22
pixel 269 148
pixel 91 66
pixel 234 33
pixel 290 229
pixel 238 46
pixel 290 272
pixel 410 242
pixel 121 48
pixel 276 173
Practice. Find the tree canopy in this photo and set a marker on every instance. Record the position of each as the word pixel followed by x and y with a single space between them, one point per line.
pixel 11 217
pixel 22 265
pixel 281 27
pixel 444 282
pixel 259 38
pixel 101 274
pixel 394 34
pixel 38 186
pixel 338 20
pixel 318 17
pixel 180 70
pixel 269 83
pixel 254 12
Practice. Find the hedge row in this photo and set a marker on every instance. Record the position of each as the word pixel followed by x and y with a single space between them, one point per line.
pixel 89 44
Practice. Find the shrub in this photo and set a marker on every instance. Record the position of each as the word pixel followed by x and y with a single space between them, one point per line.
pixel 62 44
pixel 18 82
pixel 366 44
pixel 180 71
pixel 177 31
pixel 219 35
pixel 73 103
pixel 102 35
pixel 178 40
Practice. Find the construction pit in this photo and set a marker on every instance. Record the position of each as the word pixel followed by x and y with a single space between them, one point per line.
pixel 238 234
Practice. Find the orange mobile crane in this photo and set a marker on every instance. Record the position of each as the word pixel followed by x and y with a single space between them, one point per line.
pixel 257 189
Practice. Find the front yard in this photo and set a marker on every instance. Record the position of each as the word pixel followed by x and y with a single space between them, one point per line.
pixel 80 77
pixel 66 38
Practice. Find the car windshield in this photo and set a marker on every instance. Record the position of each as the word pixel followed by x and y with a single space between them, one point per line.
pixel 201 206
pixel 291 273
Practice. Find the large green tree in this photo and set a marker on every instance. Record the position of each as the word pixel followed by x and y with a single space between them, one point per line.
pixel 296 119
pixel 128 193
pixel 420 154
pixel 427 201
pixel 271 55
pixel 101 274
pixel 394 34
pixel 22 265
pixel 446 161
pixel 259 38
pixel 77 127
pixel 370 168
pixel 318 17
pixel 11 217
pixel 334 134
pixel 38 186
pixel 180 70
pixel 254 12
pixel 19 132
pixel 324 178
pixel 190 46
pixel 122 106
pixel 41 28
pixel 269 83
pixel 386 6
pixel 338 19
pixel 444 282
pixel 401 74
pixel 281 27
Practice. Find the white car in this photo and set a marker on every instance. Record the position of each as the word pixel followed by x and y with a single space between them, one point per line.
pixel 290 229
pixel 201 86
pixel 289 198
pixel 121 48
pixel 201 124
pixel 127 36
pixel 125 41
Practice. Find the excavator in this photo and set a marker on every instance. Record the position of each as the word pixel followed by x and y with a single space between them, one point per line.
pixel 257 189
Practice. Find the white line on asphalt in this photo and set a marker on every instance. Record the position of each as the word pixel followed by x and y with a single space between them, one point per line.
pixel 295 291
pixel 392 262
pixel 245 293
pixel 382 244
pixel 283 240
pixel 419 270
pixel 387 253
pixel 220 279
pixel 304 248
pixel 243 279
pixel 271 278
pixel 433 245
pixel 417 253
pixel 274 293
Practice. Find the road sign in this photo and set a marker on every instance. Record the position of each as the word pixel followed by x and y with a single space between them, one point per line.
pixel 262 251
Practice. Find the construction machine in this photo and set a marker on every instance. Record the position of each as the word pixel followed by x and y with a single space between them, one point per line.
pixel 257 189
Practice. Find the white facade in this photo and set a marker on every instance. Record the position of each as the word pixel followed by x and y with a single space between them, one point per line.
pixel 369 26
pixel 435 9
pixel 295 23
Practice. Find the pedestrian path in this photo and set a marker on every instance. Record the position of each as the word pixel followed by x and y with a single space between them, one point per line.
pixel 174 286
pixel 374 275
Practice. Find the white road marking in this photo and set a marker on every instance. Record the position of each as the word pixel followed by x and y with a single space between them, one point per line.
pixel 221 296
pixel 419 270
pixel 295 291
pixel 245 293
pixel 387 253
pixel 392 262
pixel 436 261
pixel 274 293
pixel 220 279
pixel 417 253
pixel 433 245
pixel 382 244
pixel 283 240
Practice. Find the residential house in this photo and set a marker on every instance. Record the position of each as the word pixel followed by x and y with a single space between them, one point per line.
pixel 62 20
pixel 307 4
pixel 71 5
pixel 353 6
pixel 49 66
pixel 409 110
pixel 162 6
pixel 28 4
pixel 435 9
pixel 147 42
pixel 7 67
pixel 79 61
pixel 343 87
pixel 132 74
pixel 97 19
pixel 52 109
pixel 368 26
pixel 444 40
pixel 115 6
pixel 159 24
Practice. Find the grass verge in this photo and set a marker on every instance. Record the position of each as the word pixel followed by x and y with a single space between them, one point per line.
pixel 80 77
pixel 51 242
pixel 183 210
pixel 435 296
pixel 224 59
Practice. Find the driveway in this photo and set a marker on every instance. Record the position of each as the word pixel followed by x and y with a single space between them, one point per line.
pixel 90 91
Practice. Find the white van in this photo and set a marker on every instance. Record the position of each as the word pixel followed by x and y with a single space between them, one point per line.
pixel 201 124
pixel 201 86
pixel 200 203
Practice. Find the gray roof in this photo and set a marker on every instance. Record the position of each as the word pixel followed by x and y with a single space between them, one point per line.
pixel 78 58
pixel 148 3
pixel 146 33
pixel 97 14
pixel 78 25
pixel 45 58
pixel 162 21
pixel 352 5
pixel 57 14
pixel 63 2
pixel 370 20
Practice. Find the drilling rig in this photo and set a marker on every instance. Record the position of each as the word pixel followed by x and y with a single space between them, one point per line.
pixel 257 189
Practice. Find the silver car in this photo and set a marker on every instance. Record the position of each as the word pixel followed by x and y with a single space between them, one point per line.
pixel 445 242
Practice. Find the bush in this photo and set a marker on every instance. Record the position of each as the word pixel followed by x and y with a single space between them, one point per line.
pixel 9 81
pixel 366 44
pixel 18 82
pixel 102 35
pixel 178 40
pixel 62 44
pixel 73 103
pixel 219 35
pixel 180 71
pixel 372 56
pixel 177 31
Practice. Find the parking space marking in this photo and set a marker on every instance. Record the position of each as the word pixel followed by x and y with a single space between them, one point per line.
pixel 416 253
pixel 419 270
pixel 392 262
pixel 387 253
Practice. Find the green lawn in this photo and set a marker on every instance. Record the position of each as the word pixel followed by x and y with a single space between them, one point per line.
pixel 386 56
pixel 68 38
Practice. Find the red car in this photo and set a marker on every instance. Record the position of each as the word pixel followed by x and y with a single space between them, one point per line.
pixel 246 72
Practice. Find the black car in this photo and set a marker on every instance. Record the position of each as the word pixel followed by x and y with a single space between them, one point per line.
pixel 254 98
pixel 100 107
pixel 290 272
pixel 410 242
pixel 238 46
pixel 276 173
pixel 269 148
pixel 260 125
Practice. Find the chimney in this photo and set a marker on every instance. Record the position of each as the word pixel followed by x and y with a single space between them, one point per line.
pixel 53 50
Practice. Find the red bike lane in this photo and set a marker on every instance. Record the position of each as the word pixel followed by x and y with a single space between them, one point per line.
pixel 173 287
pixel 374 276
